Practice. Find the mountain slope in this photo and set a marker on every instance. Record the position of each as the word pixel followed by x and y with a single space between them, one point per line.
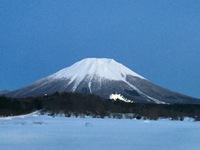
pixel 4 92
pixel 102 77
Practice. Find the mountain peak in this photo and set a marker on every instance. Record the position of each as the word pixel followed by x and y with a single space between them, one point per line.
pixel 96 67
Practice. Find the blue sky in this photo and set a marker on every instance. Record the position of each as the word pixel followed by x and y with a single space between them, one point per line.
pixel 159 39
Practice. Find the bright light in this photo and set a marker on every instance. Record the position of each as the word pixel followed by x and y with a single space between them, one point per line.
pixel 120 97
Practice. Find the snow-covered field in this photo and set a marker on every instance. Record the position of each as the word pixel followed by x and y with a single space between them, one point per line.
pixel 36 132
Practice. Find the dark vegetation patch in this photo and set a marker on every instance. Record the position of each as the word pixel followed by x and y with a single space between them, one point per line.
pixel 91 105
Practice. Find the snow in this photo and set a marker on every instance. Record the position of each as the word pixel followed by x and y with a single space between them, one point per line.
pixel 102 67
pixel 89 85
pixel 44 132
pixel 94 68
pixel 98 69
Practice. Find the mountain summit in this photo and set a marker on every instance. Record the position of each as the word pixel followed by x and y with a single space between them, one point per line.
pixel 95 67
pixel 96 70
pixel 102 77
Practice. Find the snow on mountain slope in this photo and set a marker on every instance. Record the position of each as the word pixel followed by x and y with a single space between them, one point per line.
pixel 94 68
pixel 102 77
pixel 98 68
pixel 91 67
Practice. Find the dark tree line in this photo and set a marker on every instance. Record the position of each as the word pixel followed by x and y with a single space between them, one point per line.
pixel 90 105
pixel 12 106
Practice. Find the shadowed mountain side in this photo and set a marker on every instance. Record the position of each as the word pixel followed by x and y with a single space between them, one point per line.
pixel 160 93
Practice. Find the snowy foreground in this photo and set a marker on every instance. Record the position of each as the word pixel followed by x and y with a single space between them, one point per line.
pixel 36 132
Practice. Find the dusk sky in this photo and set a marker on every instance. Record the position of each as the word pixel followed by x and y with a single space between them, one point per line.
pixel 158 39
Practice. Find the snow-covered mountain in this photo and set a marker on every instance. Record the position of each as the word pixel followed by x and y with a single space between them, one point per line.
pixel 102 77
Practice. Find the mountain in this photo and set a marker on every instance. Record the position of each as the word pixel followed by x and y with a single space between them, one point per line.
pixel 103 77
pixel 4 92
